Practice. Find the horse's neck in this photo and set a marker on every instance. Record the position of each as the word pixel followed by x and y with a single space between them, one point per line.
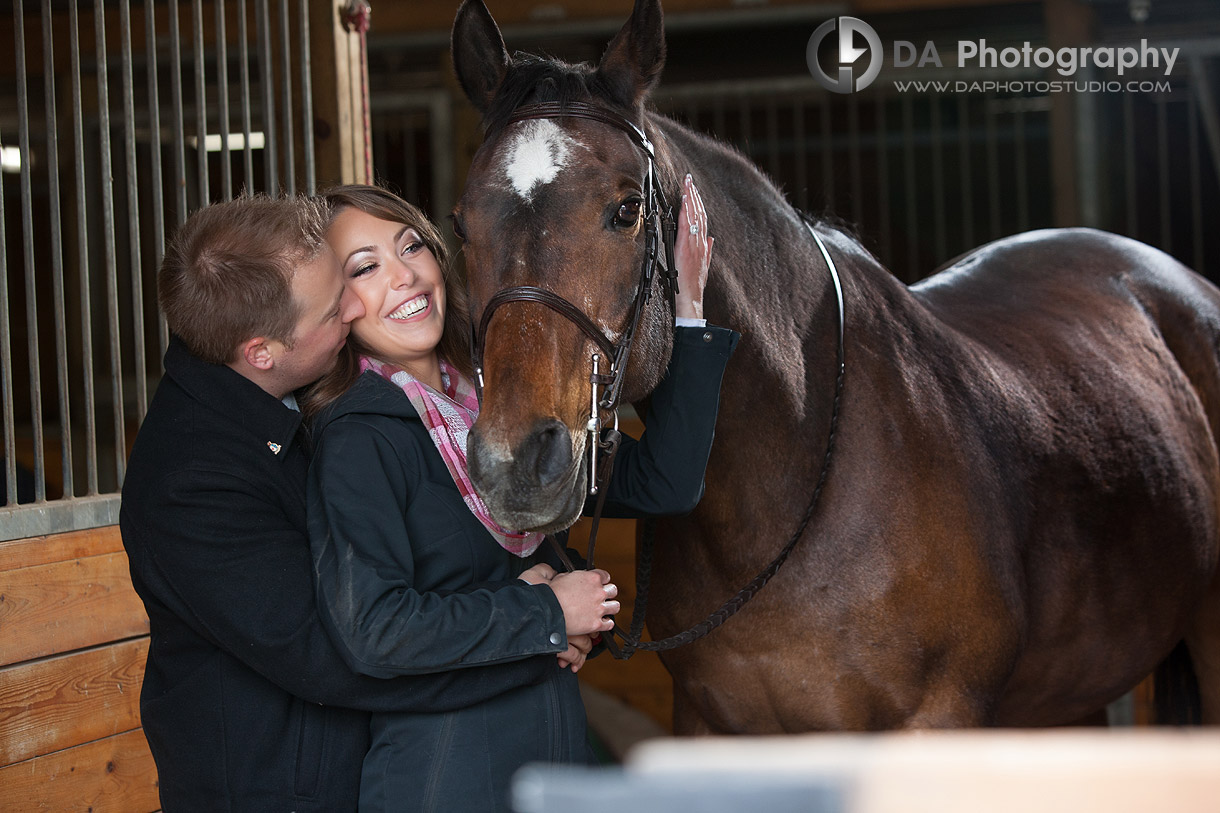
pixel 770 281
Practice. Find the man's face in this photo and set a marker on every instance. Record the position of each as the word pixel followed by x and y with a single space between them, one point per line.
pixel 326 310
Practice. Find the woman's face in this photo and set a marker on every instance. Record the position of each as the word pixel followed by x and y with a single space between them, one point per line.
pixel 399 282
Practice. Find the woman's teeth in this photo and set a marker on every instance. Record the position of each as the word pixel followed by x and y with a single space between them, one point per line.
pixel 411 307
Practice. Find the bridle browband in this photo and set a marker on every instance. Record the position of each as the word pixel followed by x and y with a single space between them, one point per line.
pixel 659 224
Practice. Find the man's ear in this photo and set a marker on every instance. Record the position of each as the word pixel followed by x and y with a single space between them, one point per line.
pixel 257 352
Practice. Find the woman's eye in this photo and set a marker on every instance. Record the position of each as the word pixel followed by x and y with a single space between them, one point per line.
pixel 411 248
pixel 363 269
pixel 628 213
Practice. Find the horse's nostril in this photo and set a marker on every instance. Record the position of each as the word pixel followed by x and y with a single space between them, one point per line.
pixel 551 452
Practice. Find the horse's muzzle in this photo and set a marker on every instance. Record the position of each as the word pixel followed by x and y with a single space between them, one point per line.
pixel 537 486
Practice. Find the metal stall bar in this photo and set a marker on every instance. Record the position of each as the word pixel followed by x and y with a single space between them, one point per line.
pixel 57 257
pixel 939 224
pixel 311 174
pixel 270 150
pixel 883 183
pixel 828 170
pixel 1129 164
pixel 993 166
pixel 1018 131
pixel 82 222
pixel 853 148
pixel 222 94
pixel 1162 155
pixel 112 271
pixel 201 105
pixel 772 119
pixel 967 193
pixel 410 146
pixel 135 266
pixel 798 142
pixel 1201 86
pixel 1196 182
pixel 290 175
pixel 175 74
pixel 154 154
pixel 6 365
pixel 27 234
pixel 912 201
pixel 243 49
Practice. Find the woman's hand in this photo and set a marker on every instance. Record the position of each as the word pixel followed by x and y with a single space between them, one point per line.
pixel 541 573
pixel 579 647
pixel 693 248
pixel 587 600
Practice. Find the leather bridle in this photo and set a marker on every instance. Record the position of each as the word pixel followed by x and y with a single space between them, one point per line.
pixel 660 227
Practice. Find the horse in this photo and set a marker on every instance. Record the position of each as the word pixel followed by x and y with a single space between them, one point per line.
pixel 1019 520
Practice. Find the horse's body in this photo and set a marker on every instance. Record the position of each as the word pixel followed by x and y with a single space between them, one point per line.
pixel 1022 515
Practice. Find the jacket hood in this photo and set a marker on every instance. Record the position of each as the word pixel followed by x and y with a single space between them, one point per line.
pixel 370 395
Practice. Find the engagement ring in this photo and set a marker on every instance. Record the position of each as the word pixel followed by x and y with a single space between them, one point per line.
pixel 694 229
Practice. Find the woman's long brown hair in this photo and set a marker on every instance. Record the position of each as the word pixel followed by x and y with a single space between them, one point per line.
pixel 454 346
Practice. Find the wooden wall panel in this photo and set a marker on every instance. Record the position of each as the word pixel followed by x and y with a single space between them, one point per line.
pixel 58 607
pixel 113 775
pixel 59 702
pixel 42 550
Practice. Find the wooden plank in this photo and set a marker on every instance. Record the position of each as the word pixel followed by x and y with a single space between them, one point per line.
pixel 338 100
pixel 115 774
pixel 42 550
pixel 56 703
pixel 58 607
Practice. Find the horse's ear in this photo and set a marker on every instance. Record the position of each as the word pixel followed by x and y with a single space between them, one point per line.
pixel 480 59
pixel 631 66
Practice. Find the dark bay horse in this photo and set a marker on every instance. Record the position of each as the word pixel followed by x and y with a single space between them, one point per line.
pixel 1021 515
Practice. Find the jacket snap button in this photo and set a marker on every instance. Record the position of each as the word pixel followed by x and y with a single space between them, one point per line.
pixel 707 337
pixel 556 638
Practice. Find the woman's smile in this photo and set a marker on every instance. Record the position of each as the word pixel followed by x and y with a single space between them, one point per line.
pixel 412 307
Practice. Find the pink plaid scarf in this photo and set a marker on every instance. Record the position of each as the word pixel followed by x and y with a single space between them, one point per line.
pixel 449 416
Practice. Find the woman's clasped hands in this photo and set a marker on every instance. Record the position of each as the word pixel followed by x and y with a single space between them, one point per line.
pixel 587 598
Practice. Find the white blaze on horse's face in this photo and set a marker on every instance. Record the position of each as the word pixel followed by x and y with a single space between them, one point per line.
pixel 536 154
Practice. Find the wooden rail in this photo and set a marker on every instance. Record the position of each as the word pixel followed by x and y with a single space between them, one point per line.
pixel 73 641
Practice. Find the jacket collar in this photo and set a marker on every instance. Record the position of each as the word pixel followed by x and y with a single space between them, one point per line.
pixel 369 395
pixel 236 398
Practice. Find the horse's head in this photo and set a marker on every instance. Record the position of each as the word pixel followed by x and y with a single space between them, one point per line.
pixel 556 203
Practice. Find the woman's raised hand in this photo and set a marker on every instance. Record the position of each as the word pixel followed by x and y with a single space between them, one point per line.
pixel 587 600
pixel 693 248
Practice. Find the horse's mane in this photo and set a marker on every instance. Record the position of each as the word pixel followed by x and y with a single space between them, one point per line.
pixel 533 79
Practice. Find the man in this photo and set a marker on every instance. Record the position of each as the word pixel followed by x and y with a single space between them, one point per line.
pixel 246 703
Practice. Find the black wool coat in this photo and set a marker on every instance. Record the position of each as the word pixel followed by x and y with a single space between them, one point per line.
pixel 403 567
pixel 247 704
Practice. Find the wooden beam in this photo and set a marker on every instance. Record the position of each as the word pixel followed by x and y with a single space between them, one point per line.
pixel 42 550
pixel 56 703
pixel 58 607
pixel 339 79
pixel 116 774
pixel 1069 23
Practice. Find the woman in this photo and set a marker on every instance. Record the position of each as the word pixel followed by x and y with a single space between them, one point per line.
pixel 413 575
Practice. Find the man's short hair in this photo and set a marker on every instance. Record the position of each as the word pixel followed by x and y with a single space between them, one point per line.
pixel 227 273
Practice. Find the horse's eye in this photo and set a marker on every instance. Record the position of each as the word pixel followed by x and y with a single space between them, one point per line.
pixel 628 213
pixel 458 230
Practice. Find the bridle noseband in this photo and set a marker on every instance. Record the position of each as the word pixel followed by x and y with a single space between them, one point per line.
pixel 660 226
